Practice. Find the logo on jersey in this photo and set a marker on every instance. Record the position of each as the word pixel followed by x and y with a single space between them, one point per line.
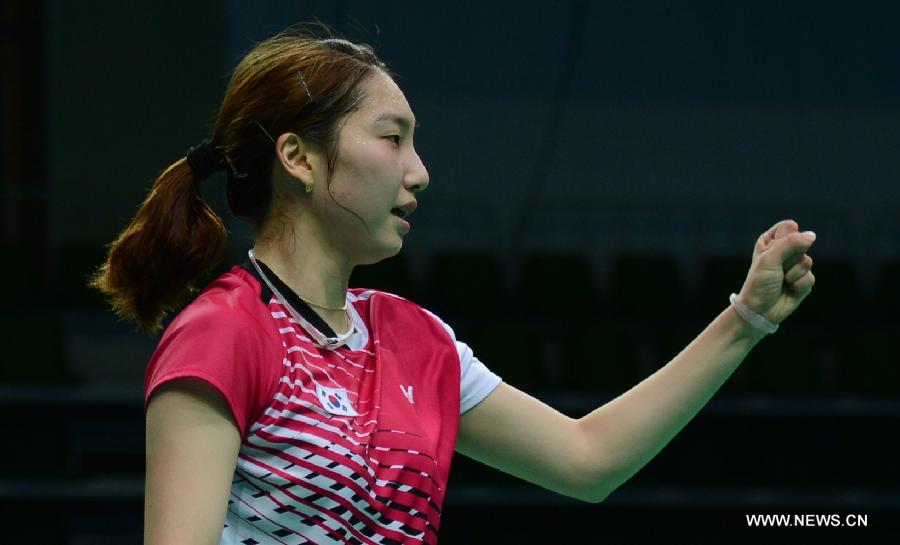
pixel 408 393
pixel 335 401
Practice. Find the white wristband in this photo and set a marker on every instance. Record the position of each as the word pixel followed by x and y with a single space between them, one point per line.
pixel 753 318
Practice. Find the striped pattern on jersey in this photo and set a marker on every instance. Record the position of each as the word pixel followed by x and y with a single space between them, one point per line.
pixel 304 475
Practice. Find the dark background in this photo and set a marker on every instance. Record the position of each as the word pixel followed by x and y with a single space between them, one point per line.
pixel 599 173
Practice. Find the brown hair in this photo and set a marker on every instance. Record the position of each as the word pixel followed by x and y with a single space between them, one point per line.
pixel 291 82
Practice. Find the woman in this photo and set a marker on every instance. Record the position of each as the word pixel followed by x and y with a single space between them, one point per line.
pixel 283 407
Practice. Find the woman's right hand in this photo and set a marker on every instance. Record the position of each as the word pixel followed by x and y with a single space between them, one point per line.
pixel 192 448
pixel 780 275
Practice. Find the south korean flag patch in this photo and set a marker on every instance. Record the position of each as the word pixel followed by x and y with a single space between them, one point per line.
pixel 335 401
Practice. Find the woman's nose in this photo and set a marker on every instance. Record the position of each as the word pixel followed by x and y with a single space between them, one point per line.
pixel 417 178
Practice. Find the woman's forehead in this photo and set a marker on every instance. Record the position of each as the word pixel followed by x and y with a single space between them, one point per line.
pixel 384 102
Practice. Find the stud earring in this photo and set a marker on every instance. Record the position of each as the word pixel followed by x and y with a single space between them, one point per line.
pixel 309 188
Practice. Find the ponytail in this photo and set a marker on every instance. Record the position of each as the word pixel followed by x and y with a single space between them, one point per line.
pixel 173 240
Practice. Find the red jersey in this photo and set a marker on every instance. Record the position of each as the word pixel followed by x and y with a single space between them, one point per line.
pixel 345 445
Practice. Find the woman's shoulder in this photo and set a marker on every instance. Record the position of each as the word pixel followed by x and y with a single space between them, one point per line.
pixel 402 305
pixel 230 299
pixel 369 294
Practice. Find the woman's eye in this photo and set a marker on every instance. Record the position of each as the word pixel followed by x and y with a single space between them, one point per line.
pixel 397 136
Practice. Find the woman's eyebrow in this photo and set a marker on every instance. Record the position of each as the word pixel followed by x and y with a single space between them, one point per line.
pixel 398 119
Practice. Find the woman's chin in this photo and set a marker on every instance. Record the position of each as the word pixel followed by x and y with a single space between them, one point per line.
pixel 385 251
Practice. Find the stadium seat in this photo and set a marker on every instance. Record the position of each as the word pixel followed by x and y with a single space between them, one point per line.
pixel 463 284
pixel 599 358
pixel 647 287
pixel 720 276
pixel 887 293
pixel 77 262
pixel 19 276
pixel 31 450
pixel 787 362
pixel 837 293
pixel 557 285
pixel 34 352
pixel 692 459
pixel 513 350
pixel 45 520
pixel 869 362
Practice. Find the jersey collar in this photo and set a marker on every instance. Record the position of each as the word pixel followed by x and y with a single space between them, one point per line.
pixel 295 301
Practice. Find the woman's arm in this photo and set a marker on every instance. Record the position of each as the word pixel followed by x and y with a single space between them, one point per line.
pixel 520 435
pixel 192 447
pixel 630 430
pixel 590 457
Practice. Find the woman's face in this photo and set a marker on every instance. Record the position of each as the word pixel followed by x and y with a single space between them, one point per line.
pixel 377 169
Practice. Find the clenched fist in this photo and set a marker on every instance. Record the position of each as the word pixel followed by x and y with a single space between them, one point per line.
pixel 780 275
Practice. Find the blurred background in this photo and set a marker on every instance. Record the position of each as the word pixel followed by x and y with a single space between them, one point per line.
pixel 599 172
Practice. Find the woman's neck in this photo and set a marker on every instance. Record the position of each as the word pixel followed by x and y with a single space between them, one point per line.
pixel 314 276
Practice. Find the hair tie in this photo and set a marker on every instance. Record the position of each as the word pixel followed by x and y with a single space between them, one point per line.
pixel 203 160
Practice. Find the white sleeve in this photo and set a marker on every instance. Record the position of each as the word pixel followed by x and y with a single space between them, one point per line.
pixel 476 380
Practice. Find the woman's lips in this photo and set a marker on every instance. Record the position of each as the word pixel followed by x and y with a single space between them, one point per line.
pixel 403 222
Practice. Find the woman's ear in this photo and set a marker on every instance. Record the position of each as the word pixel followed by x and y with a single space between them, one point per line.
pixel 299 158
